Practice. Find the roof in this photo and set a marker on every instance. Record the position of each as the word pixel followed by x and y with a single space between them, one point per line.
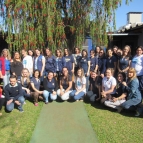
pixel 134 12
pixel 129 27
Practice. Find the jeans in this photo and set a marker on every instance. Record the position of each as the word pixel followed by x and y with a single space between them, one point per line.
pixel 47 94
pixel 6 78
pixel 65 96
pixel 87 83
pixel 131 102
pixel 78 96
pixel 10 107
pixel 91 96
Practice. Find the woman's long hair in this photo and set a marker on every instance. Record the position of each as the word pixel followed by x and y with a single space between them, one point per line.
pixel 8 54
pixel 82 74
pixel 132 70
pixel 22 78
pixel 61 53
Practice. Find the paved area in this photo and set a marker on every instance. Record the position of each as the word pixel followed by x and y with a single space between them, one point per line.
pixel 63 122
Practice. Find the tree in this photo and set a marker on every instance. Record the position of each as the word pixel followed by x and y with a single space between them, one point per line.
pixel 31 23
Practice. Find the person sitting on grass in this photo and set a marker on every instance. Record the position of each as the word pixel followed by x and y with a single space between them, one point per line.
pixel 65 85
pixel 14 94
pixel 25 82
pixel 108 86
pixel 80 86
pixel 134 97
pixel 120 94
pixel 50 87
pixel 35 86
pixel 94 93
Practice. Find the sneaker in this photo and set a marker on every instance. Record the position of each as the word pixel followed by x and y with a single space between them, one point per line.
pixel 36 104
pixel 137 114
pixel 46 102
pixel 0 114
pixel 77 100
pixel 81 99
pixel 21 110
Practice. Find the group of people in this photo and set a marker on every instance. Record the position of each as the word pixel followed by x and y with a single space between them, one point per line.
pixel 113 77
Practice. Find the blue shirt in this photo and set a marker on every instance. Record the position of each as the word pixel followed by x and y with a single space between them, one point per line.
pixel 35 82
pixel 110 62
pixel 84 64
pixel 51 85
pixel 69 62
pixel 64 82
pixel 93 63
pixel 124 62
pixel 7 65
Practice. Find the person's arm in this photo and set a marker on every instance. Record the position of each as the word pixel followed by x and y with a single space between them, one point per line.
pixel 12 69
pixel 73 64
pixel 30 65
pixel 88 71
pixel 103 68
pixel 56 85
pixel 118 66
pixel 33 87
pixel 126 69
pixel 55 65
pixel 69 87
pixel 120 97
pixel 43 65
pixel 6 91
pixel 96 64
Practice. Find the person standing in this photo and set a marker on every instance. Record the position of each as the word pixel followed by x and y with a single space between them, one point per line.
pixel 16 65
pixel 50 65
pixel 6 55
pixel 27 62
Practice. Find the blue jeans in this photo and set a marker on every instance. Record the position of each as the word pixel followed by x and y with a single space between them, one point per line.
pixel 131 102
pixel 46 95
pixel 6 78
pixel 87 83
pixel 10 107
pixel 78 96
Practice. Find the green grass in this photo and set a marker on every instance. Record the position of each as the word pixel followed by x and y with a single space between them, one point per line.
pixel 16 127
pixel 112 127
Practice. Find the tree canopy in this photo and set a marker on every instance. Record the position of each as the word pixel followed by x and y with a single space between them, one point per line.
pixel 31 23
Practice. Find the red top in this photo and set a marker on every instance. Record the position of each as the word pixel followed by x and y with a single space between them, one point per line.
pixel 2 65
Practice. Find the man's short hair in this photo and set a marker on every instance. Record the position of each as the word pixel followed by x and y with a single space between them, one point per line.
pixel 13 76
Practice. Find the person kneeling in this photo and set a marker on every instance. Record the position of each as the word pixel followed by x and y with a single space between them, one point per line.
pixel 50 87
pixel 94 93
pixel 80 85
pixel 120 94
pixel 14 94
pixel 65 85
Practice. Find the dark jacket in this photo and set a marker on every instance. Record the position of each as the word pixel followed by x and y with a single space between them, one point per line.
pixel 14 92
pixel 102 64
pixel 45 83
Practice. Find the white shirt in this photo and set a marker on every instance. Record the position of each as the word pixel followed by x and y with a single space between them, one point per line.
pixel 28 63
pixel 137 64
pixel 80 82
pixel 108 83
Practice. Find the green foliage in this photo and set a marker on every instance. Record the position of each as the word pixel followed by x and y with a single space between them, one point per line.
pixel 30 23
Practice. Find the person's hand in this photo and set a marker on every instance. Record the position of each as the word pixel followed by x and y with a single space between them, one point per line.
pixel 124 83
pixel 76 93
pixel 102 75
pixel 61 93
pixel 17 102
pixel 40 92
pixel 13 73
pixel 72 71
pixel 115 99
pixel 87 74
pixel 54 93
pixel 8 102
pixel 103 94
pixel 28 91
pixel 55 74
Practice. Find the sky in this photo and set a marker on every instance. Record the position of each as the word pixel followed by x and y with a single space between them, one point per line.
pixel 121 12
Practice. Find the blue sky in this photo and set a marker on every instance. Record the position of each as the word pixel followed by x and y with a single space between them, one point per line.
pixel 121 12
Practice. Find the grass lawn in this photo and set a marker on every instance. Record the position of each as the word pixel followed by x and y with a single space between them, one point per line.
pixel 16 127
pixel 112 127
